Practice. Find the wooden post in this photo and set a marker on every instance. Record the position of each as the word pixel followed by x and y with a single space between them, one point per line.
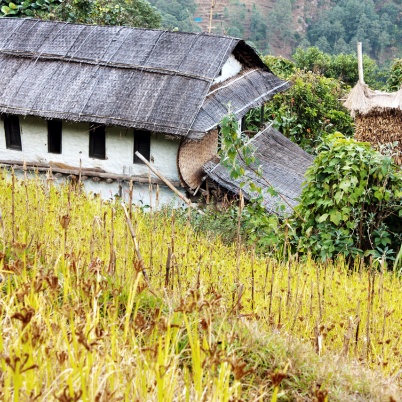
pixel 211 15
pixel 360 62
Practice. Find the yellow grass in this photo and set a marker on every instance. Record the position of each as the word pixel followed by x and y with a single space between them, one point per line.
pixel 79 322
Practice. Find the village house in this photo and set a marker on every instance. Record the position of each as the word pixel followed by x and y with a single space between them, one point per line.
pixel 83 99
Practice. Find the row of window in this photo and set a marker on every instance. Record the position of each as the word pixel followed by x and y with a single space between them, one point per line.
pixel 97 138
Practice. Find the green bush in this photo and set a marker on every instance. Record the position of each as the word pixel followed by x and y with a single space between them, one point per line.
pixel 351 203
pixel 394 80
pixel 310 110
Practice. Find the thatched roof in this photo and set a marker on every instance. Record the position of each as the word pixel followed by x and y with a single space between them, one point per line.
pixel 362 100
pixel 147 79
pixel 283 166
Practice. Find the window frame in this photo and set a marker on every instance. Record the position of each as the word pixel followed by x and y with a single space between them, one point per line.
pixel 97 138
pixel 142 144
pixel 54 136
pixel 11 123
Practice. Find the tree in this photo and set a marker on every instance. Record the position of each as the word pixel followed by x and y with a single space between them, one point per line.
pixel 177 14
pixel 340 66
pixel 137 13
pixel 376 25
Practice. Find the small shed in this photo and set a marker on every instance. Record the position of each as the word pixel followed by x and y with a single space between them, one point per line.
pixel 283 165
pixel 378 117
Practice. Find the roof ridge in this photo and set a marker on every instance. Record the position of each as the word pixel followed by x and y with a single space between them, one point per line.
pixel 121 26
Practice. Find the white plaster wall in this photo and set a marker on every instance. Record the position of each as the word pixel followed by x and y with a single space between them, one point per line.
pixel 143 195
pixel 229 69
pixel 75 148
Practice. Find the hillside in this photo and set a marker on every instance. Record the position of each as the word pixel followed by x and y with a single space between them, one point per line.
pixel 279 26
pixel 221 21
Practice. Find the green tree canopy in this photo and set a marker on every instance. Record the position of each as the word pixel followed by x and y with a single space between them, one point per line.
pixel 339 66
pixel 136 13
pixel 177 14
pixel 375 23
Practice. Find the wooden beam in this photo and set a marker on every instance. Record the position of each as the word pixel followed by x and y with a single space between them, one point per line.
pixel 86 172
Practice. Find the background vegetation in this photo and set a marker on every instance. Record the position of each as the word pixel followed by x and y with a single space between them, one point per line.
pixel 137 13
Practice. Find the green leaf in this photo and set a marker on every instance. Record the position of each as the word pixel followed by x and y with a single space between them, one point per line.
pixel 338 196
pixel 322 218
pixel 335 217
pixel 379 195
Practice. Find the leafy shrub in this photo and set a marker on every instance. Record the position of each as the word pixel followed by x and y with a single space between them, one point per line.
pixel 394 80
pixel 280 66
pixel 351 204
pixel 310 110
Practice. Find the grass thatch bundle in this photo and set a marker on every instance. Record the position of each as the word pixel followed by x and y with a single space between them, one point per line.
pixel 378 118
pixel 382 129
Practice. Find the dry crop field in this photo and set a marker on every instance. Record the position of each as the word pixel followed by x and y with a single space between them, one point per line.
pixel 208 322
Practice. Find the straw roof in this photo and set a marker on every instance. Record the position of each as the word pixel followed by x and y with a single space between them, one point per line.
pixel 147 79
pixel 283 165
pixel 363 100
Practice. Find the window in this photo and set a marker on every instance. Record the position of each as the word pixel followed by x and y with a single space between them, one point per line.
pixel 97 141
pixel 142 144
pixel 54 136
pixel 13 132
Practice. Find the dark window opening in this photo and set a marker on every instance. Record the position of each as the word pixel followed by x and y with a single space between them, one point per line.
pixel 97 141
pixel 54 136
pixel 13 132
pixel 142 144
pixel 243 124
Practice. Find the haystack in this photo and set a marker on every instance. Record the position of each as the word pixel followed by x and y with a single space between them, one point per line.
pixel 378 118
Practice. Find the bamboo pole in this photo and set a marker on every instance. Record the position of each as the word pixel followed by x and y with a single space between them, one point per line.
pixel 166 181
pixel 360 62
pixel 211 15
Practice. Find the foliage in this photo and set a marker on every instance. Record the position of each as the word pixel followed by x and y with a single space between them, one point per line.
pixel 28 8
pixel 342 67
pixel 310 110
pixel 281 67
pixel 281 22
pixel 339 28
pixel 257 227
pixel 351 203
pixel 394 80
pixel 136 13
pixel 177 14
pixel 233 144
